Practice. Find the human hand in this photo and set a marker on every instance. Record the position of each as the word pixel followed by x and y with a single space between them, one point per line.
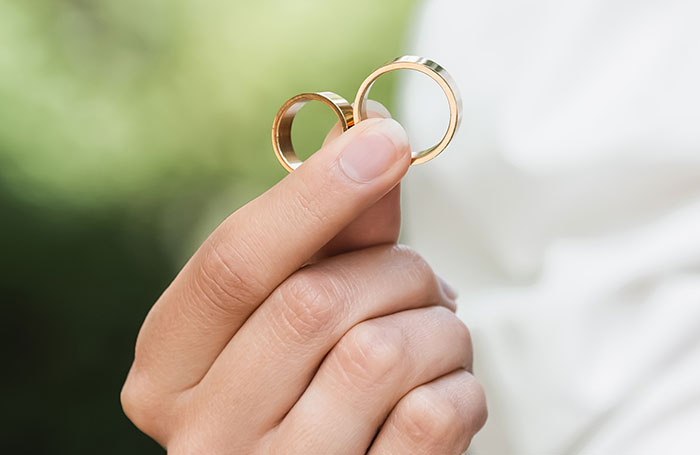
pixel 299 326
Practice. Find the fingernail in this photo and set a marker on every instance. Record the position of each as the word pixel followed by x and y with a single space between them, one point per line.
pixel 449 291
pixel 374 151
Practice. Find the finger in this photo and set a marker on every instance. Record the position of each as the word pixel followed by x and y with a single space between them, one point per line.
pixel 375 109
pixel 286 339
pixel 441 416
pixel 378 224
pixel 366 374
pixel 257 247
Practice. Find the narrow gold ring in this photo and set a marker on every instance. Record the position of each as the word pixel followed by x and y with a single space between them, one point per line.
pixel 439 75
pixel 282 126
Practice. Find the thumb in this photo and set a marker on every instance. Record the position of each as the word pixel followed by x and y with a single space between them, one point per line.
pixel 377 225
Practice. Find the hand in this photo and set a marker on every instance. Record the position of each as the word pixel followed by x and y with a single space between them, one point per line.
pixel 299 327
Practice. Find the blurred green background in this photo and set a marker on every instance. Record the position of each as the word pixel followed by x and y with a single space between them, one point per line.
pixel 128 131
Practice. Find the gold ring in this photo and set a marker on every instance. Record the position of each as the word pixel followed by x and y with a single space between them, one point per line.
pixel 282 126
pixel 439 75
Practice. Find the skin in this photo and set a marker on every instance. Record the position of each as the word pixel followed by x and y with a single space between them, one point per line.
pixel 301 327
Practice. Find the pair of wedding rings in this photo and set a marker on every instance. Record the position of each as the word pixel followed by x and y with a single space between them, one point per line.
pixel 352 115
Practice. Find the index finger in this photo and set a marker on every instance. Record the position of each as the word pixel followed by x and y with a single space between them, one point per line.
pixel 259 246
pixel 380 223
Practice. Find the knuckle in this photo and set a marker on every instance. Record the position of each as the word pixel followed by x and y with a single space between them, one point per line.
pixel 479 408
pixel 225 281
pixel 427 418
pixel 311 304
pixel 142 406
pixel 465 341
pixel 413 258
pixel 457 332
pixel 416 267
pixel 372 353
pixel 463 332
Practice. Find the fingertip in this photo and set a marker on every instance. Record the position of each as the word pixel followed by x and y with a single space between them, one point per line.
pixel 375 109
pixel 334 132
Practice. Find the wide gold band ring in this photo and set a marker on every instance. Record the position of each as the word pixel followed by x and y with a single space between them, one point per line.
pixel 282 126
pixel 439 75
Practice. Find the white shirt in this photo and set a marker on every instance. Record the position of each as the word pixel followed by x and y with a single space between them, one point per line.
pixel 567 213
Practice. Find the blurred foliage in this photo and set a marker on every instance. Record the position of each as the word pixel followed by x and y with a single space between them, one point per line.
pixel 128 130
